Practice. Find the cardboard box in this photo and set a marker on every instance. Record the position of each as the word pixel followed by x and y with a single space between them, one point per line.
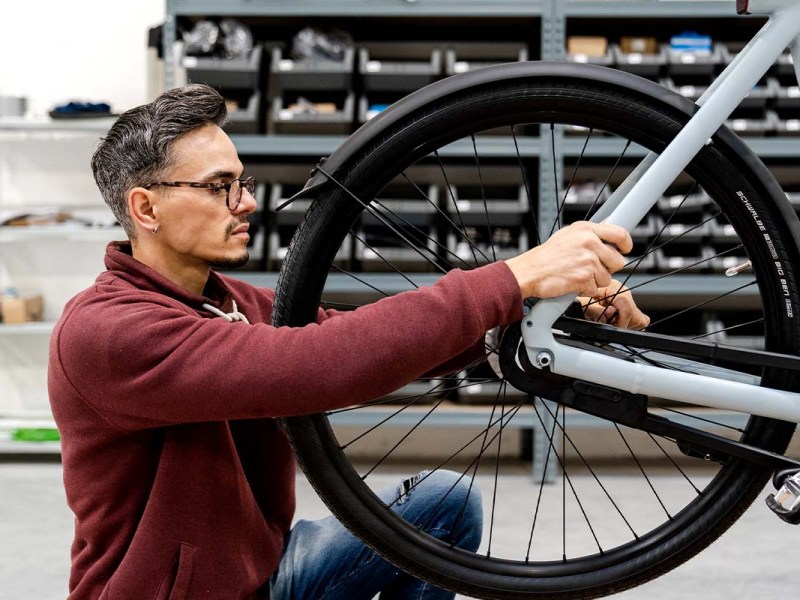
pixel 638 45
pixel 587 45
pixel 21 310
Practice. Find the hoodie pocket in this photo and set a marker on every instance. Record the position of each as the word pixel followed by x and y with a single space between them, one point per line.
pixel 176 581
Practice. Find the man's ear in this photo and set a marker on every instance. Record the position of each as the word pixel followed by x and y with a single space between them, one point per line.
pixel 141 207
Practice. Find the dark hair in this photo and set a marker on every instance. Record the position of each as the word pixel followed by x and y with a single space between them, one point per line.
pixel 136 150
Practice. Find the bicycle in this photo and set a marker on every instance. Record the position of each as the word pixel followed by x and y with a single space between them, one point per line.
pixel 678 165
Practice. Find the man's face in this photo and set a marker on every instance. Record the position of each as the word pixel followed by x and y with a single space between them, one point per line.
pixel 195 225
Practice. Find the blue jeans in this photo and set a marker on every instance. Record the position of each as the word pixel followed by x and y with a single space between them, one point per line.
pixel 322 560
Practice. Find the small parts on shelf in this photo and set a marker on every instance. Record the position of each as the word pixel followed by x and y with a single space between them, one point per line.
pixel 53 217
pixel 377 102
pixel 41 218
pixel 230 39
pixel 16 308
pixel 691 42
pixel 591 49
pixel 318 45
pixel 304 106
pixel 321 113
pixel 638 45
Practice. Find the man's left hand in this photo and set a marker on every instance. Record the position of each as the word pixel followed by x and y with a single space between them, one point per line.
pixel 614 304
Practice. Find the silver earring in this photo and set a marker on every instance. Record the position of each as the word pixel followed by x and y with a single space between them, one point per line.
pixel 155 230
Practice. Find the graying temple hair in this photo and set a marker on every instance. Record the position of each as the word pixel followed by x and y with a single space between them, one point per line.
pixel 136 150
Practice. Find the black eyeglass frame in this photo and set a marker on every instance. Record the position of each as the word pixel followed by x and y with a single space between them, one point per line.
pixel 248 183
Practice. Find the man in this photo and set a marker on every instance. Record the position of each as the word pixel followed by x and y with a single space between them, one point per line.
pixel 165 378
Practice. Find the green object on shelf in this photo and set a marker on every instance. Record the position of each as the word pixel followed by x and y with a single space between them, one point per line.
pixel 35 435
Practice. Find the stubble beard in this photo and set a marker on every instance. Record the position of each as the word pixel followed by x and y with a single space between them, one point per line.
pixel 229 263
pixel 234 262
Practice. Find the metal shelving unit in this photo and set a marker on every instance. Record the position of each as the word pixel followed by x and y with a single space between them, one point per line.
pixel 649 8
pixel 551 17
pixel 53 260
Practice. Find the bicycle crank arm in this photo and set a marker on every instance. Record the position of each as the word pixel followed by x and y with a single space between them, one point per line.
pixel 624 408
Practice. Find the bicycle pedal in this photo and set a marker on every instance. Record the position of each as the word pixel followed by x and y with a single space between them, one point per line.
pixel 786 501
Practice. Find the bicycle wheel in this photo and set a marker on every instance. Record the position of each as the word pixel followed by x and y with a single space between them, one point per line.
pixel 438 198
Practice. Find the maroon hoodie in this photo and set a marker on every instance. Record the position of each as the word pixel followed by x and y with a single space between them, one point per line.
pixel 181 483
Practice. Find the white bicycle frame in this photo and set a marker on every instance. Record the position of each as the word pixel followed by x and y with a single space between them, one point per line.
pixel 631 202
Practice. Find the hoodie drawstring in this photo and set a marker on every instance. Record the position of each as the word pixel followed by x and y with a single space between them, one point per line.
pixel 232 316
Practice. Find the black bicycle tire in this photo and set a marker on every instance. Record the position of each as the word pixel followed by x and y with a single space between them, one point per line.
pixel 299 291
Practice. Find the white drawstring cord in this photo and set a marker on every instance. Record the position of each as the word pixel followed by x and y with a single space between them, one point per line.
pixel 230 317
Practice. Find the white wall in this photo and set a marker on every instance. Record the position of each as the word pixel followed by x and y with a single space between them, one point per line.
pixel 52 51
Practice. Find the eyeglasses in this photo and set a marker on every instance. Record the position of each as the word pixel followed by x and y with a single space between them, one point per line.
pixel 233 189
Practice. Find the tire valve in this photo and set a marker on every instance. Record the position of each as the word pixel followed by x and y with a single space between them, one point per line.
pixel 738 269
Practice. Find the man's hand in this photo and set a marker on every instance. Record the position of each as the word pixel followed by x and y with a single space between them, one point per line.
pixel 577 259
pixel 614 304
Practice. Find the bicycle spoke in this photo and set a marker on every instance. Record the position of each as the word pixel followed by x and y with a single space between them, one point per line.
pixel 641 469
pixel 387 262
pixel 503 423
pixel 685 268
pixel 423 234
pixel 697 490
pixel 608 179
pixel 382 219
pixel 444 216
pixel 594 475
pixel 700 304
pixel 528 194
pixel 732 327
pixel 405 437
pixel 575 170
pixel 553 157
pixel 462 229
pixel 550 446
pixel 335 267
pixel 489 235
pixel 496 476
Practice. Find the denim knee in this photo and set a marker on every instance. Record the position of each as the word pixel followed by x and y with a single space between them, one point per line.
pixel 460 506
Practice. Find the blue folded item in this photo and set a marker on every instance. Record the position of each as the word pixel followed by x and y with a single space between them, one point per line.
pixel 73 110
pixel 691 41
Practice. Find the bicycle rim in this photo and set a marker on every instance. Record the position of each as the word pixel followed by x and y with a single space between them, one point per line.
pixel 581 537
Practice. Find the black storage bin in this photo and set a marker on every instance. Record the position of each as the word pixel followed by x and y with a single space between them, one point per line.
pixel 225 73
pixel 787 120
pixel 461 58
pixel 374 103
pixel 787 92
pixel 690 86
pixel 399 66
pixel 311 74
pixel 282 119
pixel 638 63
pixel 245 119
pixel 753 121
pixel 687 62
pixel 410 212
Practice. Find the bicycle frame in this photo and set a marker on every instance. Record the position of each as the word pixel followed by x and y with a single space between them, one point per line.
pixel 631 202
